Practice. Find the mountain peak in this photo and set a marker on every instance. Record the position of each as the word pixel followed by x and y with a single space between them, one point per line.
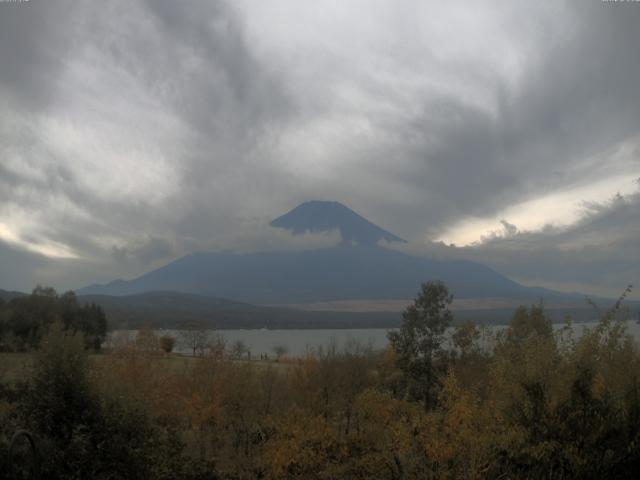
pixel 323 216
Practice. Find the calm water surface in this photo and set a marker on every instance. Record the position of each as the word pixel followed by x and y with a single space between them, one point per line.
pixel 301 342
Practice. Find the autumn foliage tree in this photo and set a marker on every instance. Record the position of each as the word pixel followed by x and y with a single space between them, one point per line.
pixel 529 401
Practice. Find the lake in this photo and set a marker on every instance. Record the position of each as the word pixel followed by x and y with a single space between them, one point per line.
pixel 301 342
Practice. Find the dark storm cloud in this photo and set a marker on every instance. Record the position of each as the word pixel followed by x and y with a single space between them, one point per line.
pixel 598 254
pixel 443 156
pixel 134 132
pixel 151 250
pixel 19 267
pixel 230 90
pixel 32 44
pixel 602 268
pixel 578 96
pixel 191 60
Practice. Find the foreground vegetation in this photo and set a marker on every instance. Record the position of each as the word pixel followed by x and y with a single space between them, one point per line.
pixel 532 404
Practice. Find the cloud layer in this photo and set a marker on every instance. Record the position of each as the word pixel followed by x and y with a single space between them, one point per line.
pixel 134 132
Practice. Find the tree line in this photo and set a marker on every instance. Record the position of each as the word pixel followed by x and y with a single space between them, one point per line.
pixel 529 401
pixel 25 319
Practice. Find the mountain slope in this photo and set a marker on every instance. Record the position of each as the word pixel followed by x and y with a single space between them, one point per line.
pixel 319 216
pixel 318 275
pixel 358 269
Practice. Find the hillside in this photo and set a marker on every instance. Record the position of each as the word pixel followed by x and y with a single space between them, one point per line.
pixel 8 295
pixel 177 310
pixel 339 273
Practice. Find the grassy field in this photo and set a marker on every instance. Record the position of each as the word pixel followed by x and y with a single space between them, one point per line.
pixel 15 367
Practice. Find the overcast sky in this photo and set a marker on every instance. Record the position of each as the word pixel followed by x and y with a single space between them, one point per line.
pixel 132 132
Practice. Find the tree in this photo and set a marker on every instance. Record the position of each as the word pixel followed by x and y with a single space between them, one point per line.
pixel 529 321
pixel 93 323
pixel 28 317
pixel 217 346
pixel 58 400
pixel 279 350
pixel 4 315
pixel 238 349
pixel 87 428
pixel 195 338
pixel 465 338
pixel 417 342
pixel 146 340
pixel 89 319
pixel 32 315
pixel 59 396
pixel 167 342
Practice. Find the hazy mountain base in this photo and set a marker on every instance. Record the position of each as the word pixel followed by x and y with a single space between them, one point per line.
pixel 175 310
pixel 340 273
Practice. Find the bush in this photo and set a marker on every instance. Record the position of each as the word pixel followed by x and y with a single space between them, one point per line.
pixel 84 431
pixel 167 343
pixel 147 341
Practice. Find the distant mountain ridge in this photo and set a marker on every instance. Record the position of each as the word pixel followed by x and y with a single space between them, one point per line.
pixel 8 295
pixel 358 269
pixel 338 273
pixel 321 216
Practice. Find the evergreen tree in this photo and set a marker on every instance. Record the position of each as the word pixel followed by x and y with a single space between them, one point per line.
pixel 418 341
